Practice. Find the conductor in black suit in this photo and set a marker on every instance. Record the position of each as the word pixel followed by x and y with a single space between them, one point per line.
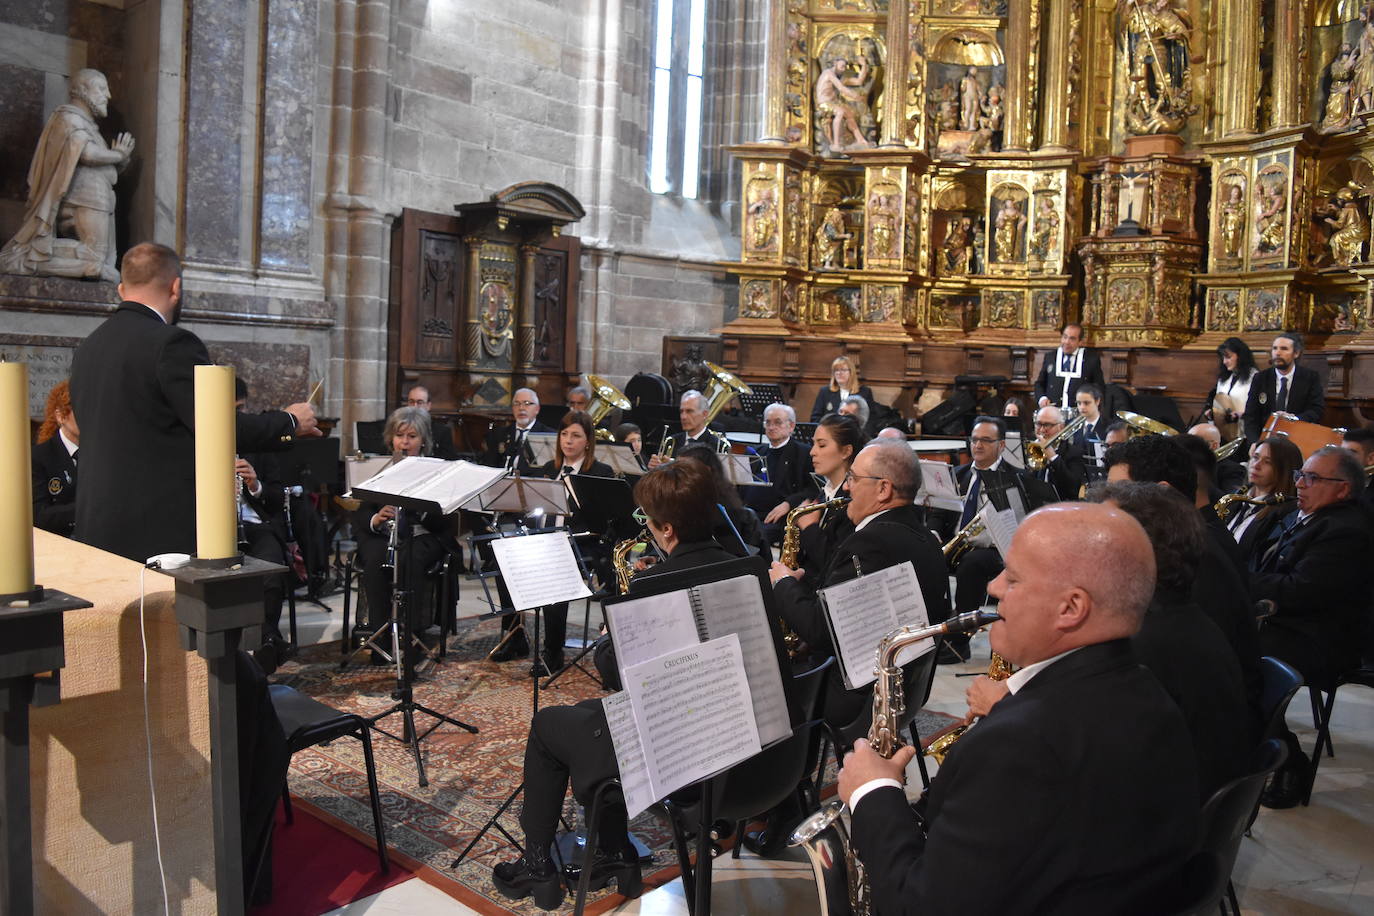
pixel 54 464
pixel 1068 367
pixel 1284 387
pixel 1078 792
pixel 888 530
pixel 787 464
pixel 133 388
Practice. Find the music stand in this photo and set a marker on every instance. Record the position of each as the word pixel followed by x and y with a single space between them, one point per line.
pixel 760 396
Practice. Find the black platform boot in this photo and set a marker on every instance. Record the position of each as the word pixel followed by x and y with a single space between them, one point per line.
pixel 533 874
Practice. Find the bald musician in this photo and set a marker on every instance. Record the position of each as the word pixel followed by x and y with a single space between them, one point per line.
pixel 133 386
pixel 1078 792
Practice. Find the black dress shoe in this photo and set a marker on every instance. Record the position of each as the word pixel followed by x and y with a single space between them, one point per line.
pixel 531 875
pixel 515 647
pixel 621 867
pixel 553 661
pixel 1288 784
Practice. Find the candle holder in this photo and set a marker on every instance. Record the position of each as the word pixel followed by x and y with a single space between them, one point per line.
pixel 216 562
pixel 19 599
pixel 31 647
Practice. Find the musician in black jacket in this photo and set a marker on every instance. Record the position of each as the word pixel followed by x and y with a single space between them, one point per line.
pixel 54 464
pixel 1319 576
pixel 1067 368
pixel 1077 793
pixel 572 743
pixel 1270 473
pixel 888 530
pixel 787 466
pixel 1065 469
pixel 844 382
pixel 1284 387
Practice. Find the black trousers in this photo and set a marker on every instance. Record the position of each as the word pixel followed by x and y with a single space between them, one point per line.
pixel 977 569
pixel 414 556
pixel 265 543
pixel 570 743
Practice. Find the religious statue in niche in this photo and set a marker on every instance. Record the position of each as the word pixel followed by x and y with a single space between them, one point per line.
pixel 970 100
pixel 1271 188
pixel 689 371
pixel 832 239
pixel 757 300
pixel 1339 103
pixel 1009 224
pixel 884 211
pixel 966 115
pixel 1045 309
pixel 494 316
pixel 762 214
pixel 1362 81
pixel 1159 72
pixel 1044 244
pixel 1232 222
pixel 1349 228
pixel 1266 310
pixel 957 251
pixel 789 303
pixel 792 203
pixel 69 218
pixel 844 113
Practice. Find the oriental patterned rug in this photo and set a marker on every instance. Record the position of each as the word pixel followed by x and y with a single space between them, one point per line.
pixel 469 775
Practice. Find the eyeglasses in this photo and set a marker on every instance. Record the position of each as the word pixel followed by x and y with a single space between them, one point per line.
pixel 983 440
pixel 776 422
pixel 1309 478
pixel 1041 424
pixel 852 476
pixel 524 403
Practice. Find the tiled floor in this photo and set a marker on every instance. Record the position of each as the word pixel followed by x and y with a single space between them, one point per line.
pixel 1313 860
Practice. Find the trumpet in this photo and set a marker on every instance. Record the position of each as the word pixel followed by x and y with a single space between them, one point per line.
pixel 1035 452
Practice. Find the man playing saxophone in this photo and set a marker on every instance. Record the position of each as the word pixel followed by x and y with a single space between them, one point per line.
pixel 1078 792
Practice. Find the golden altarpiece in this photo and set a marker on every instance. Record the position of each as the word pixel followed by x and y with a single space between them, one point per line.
pixel 943 183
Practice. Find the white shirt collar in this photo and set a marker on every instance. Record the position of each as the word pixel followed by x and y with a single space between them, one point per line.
pixel 1020 678
pixel 70 445
pixel 782 444
pixel 867 519
pixel 1288 375
pixel 991 467
pixel 844 393
pixel 524 429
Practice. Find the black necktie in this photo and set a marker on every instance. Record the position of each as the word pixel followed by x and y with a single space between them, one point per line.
pixel 1282 402
pixel 74 454
pixel 971 500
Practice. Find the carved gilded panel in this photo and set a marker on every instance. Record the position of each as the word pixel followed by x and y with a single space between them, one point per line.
pixel 1223 310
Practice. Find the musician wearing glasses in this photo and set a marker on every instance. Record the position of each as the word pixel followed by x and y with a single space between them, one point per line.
pixel 1075 794
pixel 506 446
pixel 572 744
pixel 1285 387
pixel 888 529
pixel 1319 576
pixel 441 432
pixel 787 464
pixel 1064 466
pixel 1066 369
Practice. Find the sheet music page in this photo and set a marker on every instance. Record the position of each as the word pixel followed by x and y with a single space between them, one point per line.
pixel 909 606
pixel 359 469
pixel 691 721
pixel 629 752
pixel 861 614
pixel 460 482
pixel 404 474
pixel 736 607
pixel 1001 526
pixel 645 628
pixel 539 569
pixel 938 488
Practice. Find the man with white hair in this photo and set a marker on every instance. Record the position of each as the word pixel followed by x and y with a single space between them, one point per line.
pixel 692 414
pixel 1064 469
pixel 1075 794
pixel 785 464
pixel 857 408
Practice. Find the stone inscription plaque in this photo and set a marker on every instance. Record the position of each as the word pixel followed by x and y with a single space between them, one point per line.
pixel 47 367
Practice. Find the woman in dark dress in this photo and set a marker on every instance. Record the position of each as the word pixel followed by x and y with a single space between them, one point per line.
pixel 54 465
pixel 574 453
pixel 844 381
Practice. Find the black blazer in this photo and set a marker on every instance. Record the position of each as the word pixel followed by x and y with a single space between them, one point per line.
pixel 1320 577
pixel 828 401
pixel 1067 473
pixel 1050 384
pixel 1306 400
pixel 271 499
pixel 54 487
pixel 1223 594
pixel 684 556
pixel 1112 815
pixel 133 390
pixel 501 440
pixel 789 476
pixel 1262 531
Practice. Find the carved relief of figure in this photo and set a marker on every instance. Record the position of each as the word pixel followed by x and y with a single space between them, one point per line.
pixel 830 239
pixel 1362 83
pixel 946 104
pixel 975 251
pixel 1349 229
pixel 958 236
pixel 69 219
pixel 882 223
pixel 1269 215
pixel 1046 237
pixel 1159 99
pixel 1233 221
pixel 763 221
pixel 792 203
pixel 1008 231
pixel 840 99
pixel 1338 99
pixel 970 100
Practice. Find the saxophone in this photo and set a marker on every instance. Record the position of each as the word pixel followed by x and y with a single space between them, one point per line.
pixel 999 669
pixel 620 559
pixel 791 549
pixel 841 880
pixel 1227 504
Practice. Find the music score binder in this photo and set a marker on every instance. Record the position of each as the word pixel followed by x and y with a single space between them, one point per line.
pixel 427 484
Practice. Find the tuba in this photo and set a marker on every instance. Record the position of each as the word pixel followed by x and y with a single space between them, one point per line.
pixel 605 397
pixel 1035 452
pixel 723 388
pixel 841 880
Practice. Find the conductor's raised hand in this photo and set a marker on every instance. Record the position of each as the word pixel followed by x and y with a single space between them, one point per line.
pixel 306 424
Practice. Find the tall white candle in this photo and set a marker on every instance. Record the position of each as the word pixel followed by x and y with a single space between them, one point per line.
pixel 216 526
pixel 16 495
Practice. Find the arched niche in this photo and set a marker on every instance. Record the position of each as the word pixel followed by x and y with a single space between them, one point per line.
pixel 969 48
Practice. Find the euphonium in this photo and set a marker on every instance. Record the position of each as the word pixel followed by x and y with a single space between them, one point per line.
pixel 999 670
pixel 1035 452
pixel 1226 450
pixel 840 878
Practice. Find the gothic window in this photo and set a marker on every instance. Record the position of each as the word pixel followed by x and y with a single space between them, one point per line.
pixel 676 98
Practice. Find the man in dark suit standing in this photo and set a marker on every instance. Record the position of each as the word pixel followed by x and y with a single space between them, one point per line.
pixel 888 529
pixel 787 464
pixel 1318 575
pixel 1064 370
pixel 133 388
pixel 1285 387
pixel 1113 813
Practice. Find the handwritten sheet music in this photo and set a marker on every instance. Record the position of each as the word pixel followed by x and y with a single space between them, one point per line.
pixel 1001 527
pixel 938 489
pixel 864 610
pixel 690 721
pixel 646 628
pixel 629 752
pixel 539 569
pixel 736 607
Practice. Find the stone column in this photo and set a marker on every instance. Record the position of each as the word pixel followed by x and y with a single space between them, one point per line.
pixel 1023 52
pixel 1238 91
pixel 894 68
pixel 1290 35
pixel 524 354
